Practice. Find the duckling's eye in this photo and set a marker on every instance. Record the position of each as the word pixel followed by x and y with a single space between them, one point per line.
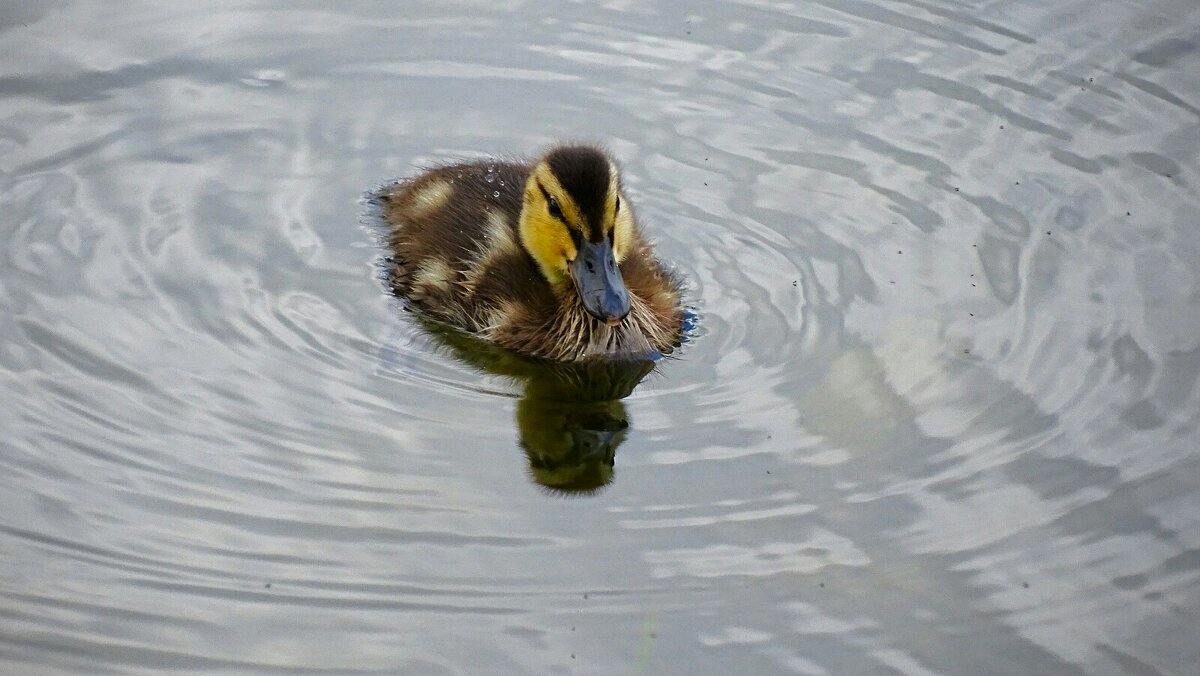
pixel 555 210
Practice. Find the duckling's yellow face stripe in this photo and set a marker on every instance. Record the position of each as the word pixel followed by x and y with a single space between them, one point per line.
pixel 548 217
pixel 621 225
pixel 552 222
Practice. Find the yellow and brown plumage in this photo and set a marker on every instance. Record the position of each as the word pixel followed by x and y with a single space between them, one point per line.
pixel 544 258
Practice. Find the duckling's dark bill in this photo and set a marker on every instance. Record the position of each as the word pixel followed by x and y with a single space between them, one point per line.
pixel 599 282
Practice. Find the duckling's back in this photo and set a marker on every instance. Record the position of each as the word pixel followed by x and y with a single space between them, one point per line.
pixel 456 251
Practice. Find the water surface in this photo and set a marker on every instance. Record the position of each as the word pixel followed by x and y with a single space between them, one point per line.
pixel 940 417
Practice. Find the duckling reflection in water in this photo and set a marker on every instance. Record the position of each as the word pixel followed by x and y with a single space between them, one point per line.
pixel 543 258
pixel 570 418
pixel 571 444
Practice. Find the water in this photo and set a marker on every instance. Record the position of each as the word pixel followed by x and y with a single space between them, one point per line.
pixel 940 414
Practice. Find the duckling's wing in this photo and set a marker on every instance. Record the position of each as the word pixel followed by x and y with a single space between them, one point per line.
pixel 446 225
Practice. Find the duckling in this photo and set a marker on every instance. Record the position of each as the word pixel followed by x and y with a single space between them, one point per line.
pixel 543 258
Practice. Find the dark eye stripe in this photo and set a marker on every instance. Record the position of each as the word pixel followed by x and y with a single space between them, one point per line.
pixel 554 208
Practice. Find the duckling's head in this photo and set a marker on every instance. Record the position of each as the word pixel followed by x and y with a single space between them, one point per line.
pixel 577 228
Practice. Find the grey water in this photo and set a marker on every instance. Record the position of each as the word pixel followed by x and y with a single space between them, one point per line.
pixel 939 415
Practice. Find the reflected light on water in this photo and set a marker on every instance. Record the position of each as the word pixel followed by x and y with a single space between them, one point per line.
pixel 941 416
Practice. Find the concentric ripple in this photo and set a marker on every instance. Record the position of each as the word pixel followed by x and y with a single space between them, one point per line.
pixel 939 414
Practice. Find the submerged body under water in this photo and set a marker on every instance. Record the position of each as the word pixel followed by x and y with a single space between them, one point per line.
pixel 570 417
